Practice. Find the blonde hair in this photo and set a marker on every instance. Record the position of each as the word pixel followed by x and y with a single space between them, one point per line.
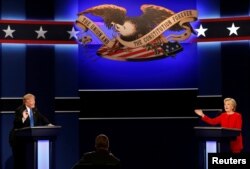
pixel 232 101
pixel 28 96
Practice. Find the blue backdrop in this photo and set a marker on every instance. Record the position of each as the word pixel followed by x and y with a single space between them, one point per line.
pixel 50 71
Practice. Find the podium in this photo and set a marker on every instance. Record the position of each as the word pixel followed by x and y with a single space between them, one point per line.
pixel 35 146
pixel 221 135
pixel 215 139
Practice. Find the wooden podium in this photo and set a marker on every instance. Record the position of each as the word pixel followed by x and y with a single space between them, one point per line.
pixel 215 140
pixel 35 146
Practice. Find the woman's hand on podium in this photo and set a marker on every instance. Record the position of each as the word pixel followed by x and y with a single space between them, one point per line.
pixel 199 112
pixel 51 124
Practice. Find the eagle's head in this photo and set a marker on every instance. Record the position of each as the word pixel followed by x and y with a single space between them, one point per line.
pixel 127 29
pixel 132 28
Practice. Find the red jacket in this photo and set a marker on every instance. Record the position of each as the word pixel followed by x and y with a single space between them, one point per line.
pixel 229 121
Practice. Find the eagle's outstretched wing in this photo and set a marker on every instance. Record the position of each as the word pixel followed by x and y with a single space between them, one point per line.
pixel 157 14
pixel 109 13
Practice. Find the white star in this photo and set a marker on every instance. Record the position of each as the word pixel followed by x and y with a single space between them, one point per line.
pixel 73 33
pixel 9 32
pixel 201 31
pixel 233 29
pixel 41 33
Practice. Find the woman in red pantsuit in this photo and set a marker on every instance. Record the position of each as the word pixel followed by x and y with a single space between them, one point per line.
pixel 229 119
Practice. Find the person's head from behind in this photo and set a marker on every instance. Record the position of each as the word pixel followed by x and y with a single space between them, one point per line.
pixel 29 100
pixel 102 142
pixel 229 104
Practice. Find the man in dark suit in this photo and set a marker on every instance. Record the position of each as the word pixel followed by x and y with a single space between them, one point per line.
pixel 101 158
pixel 26 115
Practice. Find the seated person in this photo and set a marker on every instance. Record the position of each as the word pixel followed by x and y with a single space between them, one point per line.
pixel 100 158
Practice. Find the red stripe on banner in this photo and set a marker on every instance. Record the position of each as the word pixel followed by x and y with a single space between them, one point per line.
pixel 225 19
pixel 36 22
pixel 37 41
pixel 223 39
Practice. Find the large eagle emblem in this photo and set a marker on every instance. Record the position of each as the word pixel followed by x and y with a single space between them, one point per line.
pixel 131 28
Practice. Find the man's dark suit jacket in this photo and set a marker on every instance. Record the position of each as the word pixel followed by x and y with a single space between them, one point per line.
pixel 100 159
pixel 39 120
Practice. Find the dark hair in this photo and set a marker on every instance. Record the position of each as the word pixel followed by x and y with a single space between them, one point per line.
pixel 102 142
